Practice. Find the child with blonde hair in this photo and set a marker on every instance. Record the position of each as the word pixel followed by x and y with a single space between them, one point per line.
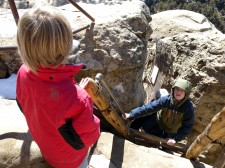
pixel 58 112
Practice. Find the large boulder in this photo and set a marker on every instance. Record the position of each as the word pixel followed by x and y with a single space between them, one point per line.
pixel 115 45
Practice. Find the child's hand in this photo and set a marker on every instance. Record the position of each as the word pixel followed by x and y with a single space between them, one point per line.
pixel 171 142
pixel 83 83
pixel 126 116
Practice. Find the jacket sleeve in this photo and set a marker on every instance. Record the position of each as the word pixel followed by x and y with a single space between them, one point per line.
pixel 149 108
pixel 187 124
pixel 77 125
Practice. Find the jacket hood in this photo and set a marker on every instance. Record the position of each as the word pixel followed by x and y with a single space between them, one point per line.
pixel 183 84
pixel 60 72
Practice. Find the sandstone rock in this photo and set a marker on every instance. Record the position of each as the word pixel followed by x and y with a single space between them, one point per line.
pixel 11 61
pixel 122 153
pixel 116 45
pixel 177 22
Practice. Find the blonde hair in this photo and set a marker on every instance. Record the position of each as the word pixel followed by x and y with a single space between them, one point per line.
pixel 44 37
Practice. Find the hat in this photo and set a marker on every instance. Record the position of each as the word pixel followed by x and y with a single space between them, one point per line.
pixel 183 84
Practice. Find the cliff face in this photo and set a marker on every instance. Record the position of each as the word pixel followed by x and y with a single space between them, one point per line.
pixel 185 44
pixel 125 42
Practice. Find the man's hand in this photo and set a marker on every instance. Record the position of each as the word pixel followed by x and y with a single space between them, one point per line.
pixel 83 83
pixel 171 142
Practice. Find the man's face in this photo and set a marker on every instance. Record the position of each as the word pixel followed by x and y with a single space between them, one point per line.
pixel 178 93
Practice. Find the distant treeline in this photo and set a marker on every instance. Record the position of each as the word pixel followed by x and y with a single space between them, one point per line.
pixel 214 10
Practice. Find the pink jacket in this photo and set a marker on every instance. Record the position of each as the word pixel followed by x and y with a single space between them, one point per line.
pixel 58 112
